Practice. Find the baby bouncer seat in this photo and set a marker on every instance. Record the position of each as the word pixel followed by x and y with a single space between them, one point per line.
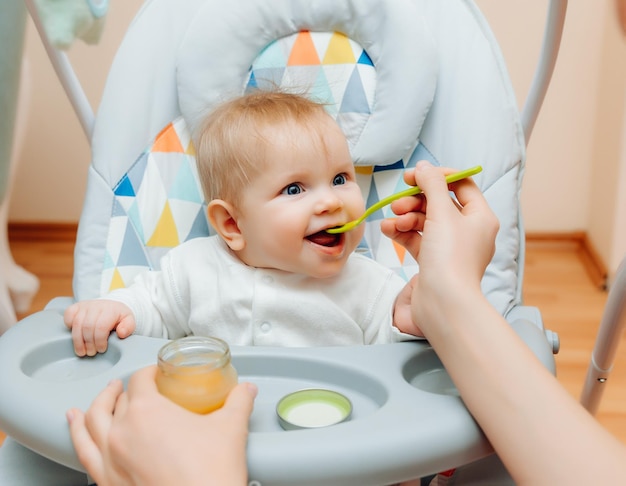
pixel 406 80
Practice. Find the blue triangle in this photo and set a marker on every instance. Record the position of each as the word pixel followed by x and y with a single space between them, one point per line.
pixel 184 186
pixel 364 248
pixel 124 187
pixel 372 199
pixel 136 172
pixel 270 57
pixel 132 250
pixel 365 59
pixel 401 273
pixel 421 153
pixel 108 261
pixel 251 83
pixel 321 92
pixel 200 226
pixel 354 99
pixel 135 218
pixel 269 78
pixel 395 166
pixel 400 186
pixel 118 209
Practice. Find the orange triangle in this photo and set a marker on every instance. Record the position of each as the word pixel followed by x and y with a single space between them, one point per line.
pixel 400 251
pixel 339 50
pixel 165 233
pixel 364 169
pixel 303 52
pixel 168 141
pixel 117 282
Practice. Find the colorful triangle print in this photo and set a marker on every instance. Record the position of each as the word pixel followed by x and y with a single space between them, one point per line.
pixel 421 153
pixel 137 171
pixel 168 141
pixel 303 52
pixel 200 227
pixel 251 83
pixel 270 57
pixel 131 252
pixel 134 215
pixel 268 78
pixel 364 248
pixel 354 100
pixel 321 92
pixel 400 251
pixel 116 282
pixel 124 188
pixel 372 199
pixel 108 261
pixel 165 233
pixel 365 59
pixel 398 165
pixel 339 50
pixel 184 186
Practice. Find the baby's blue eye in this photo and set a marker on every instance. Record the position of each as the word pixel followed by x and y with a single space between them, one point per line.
pixel 292 190
pixel 339 180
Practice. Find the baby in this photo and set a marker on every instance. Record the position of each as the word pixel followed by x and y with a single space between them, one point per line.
pixel 277 172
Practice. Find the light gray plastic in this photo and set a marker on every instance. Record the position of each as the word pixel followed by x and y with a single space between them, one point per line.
pixel 66 74
pixel 407 421
pixel 607 341
pixel 545 66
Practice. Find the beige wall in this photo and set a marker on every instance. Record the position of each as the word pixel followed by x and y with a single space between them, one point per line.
pixel 54 155
pixel 576 156
pixel 607 212
pixel 576 160
pixel 561 142
pixel 618 245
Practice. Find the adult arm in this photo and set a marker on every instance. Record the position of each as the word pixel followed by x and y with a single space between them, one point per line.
pixel 542 435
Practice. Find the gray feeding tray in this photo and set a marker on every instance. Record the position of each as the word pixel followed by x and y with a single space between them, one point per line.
pixel 407 419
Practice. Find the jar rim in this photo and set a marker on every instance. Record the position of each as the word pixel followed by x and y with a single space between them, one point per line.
pixel 194 354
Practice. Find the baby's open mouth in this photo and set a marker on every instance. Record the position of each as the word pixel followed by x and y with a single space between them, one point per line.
pixel 324 239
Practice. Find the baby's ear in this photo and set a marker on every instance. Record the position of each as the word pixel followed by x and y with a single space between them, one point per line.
pixel 222 216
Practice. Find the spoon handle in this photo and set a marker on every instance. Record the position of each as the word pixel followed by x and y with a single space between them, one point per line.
pixel 413 191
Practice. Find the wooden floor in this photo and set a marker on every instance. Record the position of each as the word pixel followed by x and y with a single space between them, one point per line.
pixel 555 281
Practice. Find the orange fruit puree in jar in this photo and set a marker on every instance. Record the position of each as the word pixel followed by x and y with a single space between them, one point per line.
pixel 196 373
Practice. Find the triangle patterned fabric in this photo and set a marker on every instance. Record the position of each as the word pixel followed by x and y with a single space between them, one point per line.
pixel 157 205
pixel 326 66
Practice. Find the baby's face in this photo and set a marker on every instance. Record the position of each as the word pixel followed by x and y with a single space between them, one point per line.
pixel 308 185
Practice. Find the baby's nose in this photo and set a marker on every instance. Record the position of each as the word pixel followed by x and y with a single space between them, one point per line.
pixel 328 202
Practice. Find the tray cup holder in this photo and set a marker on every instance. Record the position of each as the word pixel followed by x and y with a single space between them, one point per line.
pixel 56 361
pixel 426 372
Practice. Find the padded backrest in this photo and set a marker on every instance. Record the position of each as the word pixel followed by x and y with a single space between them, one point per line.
pixel 405 79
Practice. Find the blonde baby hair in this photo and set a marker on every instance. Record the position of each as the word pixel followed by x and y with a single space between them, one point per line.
pixel 230 141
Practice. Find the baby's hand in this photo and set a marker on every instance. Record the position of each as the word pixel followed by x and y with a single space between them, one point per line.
pixel 402 313
pixel 92 321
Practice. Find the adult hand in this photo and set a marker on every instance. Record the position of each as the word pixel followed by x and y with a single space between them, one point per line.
pixel 453 242
pixel 140 437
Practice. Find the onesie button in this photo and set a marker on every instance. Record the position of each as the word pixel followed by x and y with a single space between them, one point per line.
pixel 268 279
pixel 266 327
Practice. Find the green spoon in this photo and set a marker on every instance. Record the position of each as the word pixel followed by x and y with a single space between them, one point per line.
pixel 412 191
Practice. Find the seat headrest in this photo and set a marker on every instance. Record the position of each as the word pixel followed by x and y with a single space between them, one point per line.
pixel 221 55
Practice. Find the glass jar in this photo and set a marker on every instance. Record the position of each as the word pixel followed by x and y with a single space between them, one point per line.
pixel 196 373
